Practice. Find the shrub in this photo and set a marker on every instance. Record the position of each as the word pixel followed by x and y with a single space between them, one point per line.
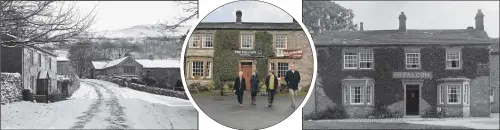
pixel 384 112
pixel 211 85
pixel 226 87
pixel 330 113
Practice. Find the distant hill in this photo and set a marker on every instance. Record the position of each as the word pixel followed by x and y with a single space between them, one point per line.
pixel 141 31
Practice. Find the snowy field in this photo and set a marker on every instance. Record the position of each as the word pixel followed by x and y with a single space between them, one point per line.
pixel 102 105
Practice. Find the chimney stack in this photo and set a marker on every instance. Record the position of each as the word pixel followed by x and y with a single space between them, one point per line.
pixel 479 20
pixel 361 26
pixel 402 22
pixel 238 16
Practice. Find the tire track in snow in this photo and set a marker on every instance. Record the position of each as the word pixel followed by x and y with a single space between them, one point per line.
pixel 91 111
pixel 117 119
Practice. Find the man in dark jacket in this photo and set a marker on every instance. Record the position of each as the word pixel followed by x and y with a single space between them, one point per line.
pixel 271 85
pixel 254 85
pixel 240 87
pixel 292 79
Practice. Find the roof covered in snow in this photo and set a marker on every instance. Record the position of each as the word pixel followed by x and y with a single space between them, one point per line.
pixel 99 64
pixel 115 62
pixel 147 63
pixel 62 59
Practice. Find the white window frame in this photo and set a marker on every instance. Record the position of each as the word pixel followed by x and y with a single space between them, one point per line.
pixel 193 68
pixel 449 60
pixel 368 60
pixel 352 58
pixel 442 95
pixel 419 60
pixel 369 94
pixel 366 95
pixel 205 40
pixel 208 69
pixel 195 38
pixel 243 38
pixel 458 93
pixel 353 95
pixel 280 38
pixel 279 68
pixel 466 94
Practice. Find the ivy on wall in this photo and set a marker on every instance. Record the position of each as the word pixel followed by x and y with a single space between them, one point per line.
pixel 263 44
pixel 392 59
pixel 225 62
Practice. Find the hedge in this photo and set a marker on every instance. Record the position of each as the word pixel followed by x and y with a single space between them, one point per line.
pixel 225 62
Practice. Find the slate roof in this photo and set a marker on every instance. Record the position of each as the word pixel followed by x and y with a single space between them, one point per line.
pixel 249 26
pixel 396 37
pixel 147 63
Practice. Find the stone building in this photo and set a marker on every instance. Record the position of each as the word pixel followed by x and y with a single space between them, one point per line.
pixel 37 66
pixel 164 71
pixel 406 72
pixel 288 39
pixel 494 76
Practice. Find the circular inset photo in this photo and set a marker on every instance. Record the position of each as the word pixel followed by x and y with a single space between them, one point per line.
pixel 248 65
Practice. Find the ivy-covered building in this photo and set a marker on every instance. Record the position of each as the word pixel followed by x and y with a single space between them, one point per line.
pixel 406 72
pixel 288 44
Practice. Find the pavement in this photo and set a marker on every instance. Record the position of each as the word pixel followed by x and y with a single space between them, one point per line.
pixel 226 110
pixel 408 123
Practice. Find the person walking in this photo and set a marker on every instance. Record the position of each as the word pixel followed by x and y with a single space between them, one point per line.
pixel 271 84
pixel 254 85
pixel 292 79
pixel 240 87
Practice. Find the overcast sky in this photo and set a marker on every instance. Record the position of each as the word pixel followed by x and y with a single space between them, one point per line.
pixel 425 14
pixel 252 11
pixel 113 15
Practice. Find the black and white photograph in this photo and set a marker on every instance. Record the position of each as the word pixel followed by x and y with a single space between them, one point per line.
pixel 248 65
pixel 404 64
pixel 95 64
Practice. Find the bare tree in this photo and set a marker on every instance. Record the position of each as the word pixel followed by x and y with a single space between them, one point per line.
pixel 41 22
pixel 189 7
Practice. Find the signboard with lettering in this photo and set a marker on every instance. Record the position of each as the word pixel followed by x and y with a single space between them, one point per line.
pixel 247 53
pixel 293 53
pixel 412 75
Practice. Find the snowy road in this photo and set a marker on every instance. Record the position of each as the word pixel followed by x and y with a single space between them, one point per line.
pixel 103 105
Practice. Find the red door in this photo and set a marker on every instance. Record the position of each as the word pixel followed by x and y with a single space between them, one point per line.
pixel 246 67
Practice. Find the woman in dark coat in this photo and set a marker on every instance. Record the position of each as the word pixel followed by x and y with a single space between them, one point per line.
pixel 254 84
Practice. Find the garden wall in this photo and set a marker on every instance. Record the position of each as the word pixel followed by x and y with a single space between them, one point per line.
pixel 11 87
pixel 148 89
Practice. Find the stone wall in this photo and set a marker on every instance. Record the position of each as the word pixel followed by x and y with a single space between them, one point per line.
pixel 11 88
pixel 479 97
pixel 494 82
pixel 318 101
pixel 148 89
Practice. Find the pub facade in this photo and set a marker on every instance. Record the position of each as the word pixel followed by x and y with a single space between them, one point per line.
pixel 290 45
pixel 405 72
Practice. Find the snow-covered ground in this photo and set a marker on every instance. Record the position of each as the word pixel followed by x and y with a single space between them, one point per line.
pixel 102 105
